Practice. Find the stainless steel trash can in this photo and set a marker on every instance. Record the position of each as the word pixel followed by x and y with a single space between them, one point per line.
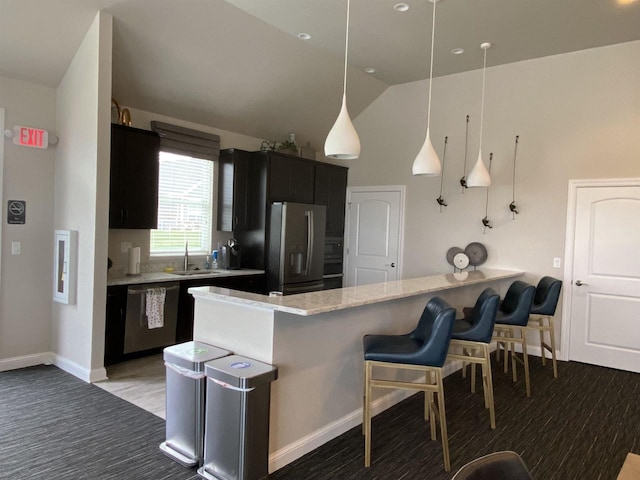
pixel 236 439
pixel 186 386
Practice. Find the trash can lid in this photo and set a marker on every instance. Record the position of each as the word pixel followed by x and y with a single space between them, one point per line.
pixel 192 354
pixel 243 372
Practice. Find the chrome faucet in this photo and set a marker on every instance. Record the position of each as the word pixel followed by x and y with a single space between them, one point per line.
pixel 186 255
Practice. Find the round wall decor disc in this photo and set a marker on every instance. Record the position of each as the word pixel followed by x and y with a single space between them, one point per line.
pixel 452 252
pixel 477 253
pixel 461 261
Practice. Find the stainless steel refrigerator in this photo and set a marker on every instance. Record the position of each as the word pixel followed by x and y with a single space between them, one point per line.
pixel 295 258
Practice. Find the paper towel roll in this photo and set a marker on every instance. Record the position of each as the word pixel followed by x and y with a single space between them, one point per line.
pixel 134 261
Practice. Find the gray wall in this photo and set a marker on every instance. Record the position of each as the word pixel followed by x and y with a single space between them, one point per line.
pixel 577 115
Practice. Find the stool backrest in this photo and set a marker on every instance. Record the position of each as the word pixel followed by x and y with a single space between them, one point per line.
pixel 546 297
pixel 517 303
pixel 495 466
pixel 434 329
pixel 483 317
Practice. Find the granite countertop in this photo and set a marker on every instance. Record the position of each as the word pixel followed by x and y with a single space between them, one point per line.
pixel 349 297
pixel 157 277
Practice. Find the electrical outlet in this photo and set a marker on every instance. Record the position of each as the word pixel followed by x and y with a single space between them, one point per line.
pixel 124 247
pixel 16 248
pixel 556 262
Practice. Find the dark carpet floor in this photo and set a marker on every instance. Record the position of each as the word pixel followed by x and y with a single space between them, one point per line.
pixel 579 426
pixel 56 427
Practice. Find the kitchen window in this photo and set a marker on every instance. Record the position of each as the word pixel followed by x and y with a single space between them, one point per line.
pixel 185 205
pixel 185 190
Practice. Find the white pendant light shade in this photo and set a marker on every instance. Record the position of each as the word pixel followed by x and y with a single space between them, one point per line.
pixel 427 161
pixel 479 175
pixel 342 143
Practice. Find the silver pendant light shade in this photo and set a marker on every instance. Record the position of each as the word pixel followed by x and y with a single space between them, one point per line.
pixel 479 175
pixel 427 161
pixel 342 141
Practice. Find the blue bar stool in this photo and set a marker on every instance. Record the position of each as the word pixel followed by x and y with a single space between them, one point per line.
pixel 424 350
pixel 511 321
pixel 495 466
pixel 542 311
pixel 473 336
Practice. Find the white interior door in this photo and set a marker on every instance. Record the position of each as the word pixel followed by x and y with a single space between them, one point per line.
pixel 605 295
pixel 374 229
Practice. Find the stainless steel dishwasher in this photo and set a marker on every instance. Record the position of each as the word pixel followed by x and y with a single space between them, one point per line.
pixel 138 335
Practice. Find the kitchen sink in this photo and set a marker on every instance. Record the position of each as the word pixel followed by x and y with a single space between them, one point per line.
pixel 186 273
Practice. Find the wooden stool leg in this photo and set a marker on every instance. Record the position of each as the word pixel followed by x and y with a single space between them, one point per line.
pixel 542 349
pixel 367 415
pixel 525 360
pixel 473 377
pixel 514 375
pixel 506 352
pixel 430 407
pixel 488 386
pixel 443 422
pixel 552 344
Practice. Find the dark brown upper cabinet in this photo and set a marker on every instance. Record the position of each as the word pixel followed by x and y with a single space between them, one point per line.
pixel 291 179
pixel 133 189
pixel 331 190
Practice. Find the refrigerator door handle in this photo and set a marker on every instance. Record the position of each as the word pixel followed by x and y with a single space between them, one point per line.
pixel 309 218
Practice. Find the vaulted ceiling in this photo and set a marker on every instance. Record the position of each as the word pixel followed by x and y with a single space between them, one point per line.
pixel 239 65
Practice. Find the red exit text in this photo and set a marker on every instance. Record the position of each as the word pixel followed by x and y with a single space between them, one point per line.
pixel 30 137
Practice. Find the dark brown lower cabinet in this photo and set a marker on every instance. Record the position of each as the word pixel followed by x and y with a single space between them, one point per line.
pixel 117 310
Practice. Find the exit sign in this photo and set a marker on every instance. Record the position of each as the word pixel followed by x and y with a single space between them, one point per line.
pixel 30 137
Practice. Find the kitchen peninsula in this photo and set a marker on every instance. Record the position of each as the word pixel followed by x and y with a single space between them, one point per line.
pixel 315 340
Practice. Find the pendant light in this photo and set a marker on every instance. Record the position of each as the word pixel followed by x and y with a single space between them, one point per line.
pixel 479 175
pixel 427 161
pixel 343 143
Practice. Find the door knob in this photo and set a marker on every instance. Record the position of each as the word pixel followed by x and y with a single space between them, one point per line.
pixel 579 283
pixel 392 265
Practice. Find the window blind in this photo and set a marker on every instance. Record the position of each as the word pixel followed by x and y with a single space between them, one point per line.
pixel 186 141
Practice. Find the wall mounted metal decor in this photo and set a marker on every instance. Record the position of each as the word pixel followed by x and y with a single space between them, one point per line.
pixel 463 180
pixel 485 221
pixel 441 200
pixel 512 206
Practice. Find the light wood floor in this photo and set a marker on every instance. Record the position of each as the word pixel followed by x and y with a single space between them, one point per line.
pixel 140 381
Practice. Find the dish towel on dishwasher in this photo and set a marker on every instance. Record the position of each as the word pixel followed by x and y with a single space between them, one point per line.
pixel 155 307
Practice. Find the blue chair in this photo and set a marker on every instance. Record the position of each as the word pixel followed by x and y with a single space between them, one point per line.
pixel 424 350
pixel 543 309
pixel 495 466
pixel 473 335
pixel 511 321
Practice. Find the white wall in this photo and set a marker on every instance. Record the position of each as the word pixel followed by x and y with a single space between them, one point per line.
pixel 81 198
pixel 577 115
pixel 25 288
pixel 141 238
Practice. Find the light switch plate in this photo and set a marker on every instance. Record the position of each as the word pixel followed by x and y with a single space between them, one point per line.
pixel 16 248
pixel 124 247
pixel 557 262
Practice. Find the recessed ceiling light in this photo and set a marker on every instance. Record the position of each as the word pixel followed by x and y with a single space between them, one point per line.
pixel 457 51
pixel 304 36
pixel 401 7
pixel 370 70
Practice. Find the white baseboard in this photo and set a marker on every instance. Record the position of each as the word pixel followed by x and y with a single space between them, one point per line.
pixel 24 361
pixel 310 442
pixel 85 374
